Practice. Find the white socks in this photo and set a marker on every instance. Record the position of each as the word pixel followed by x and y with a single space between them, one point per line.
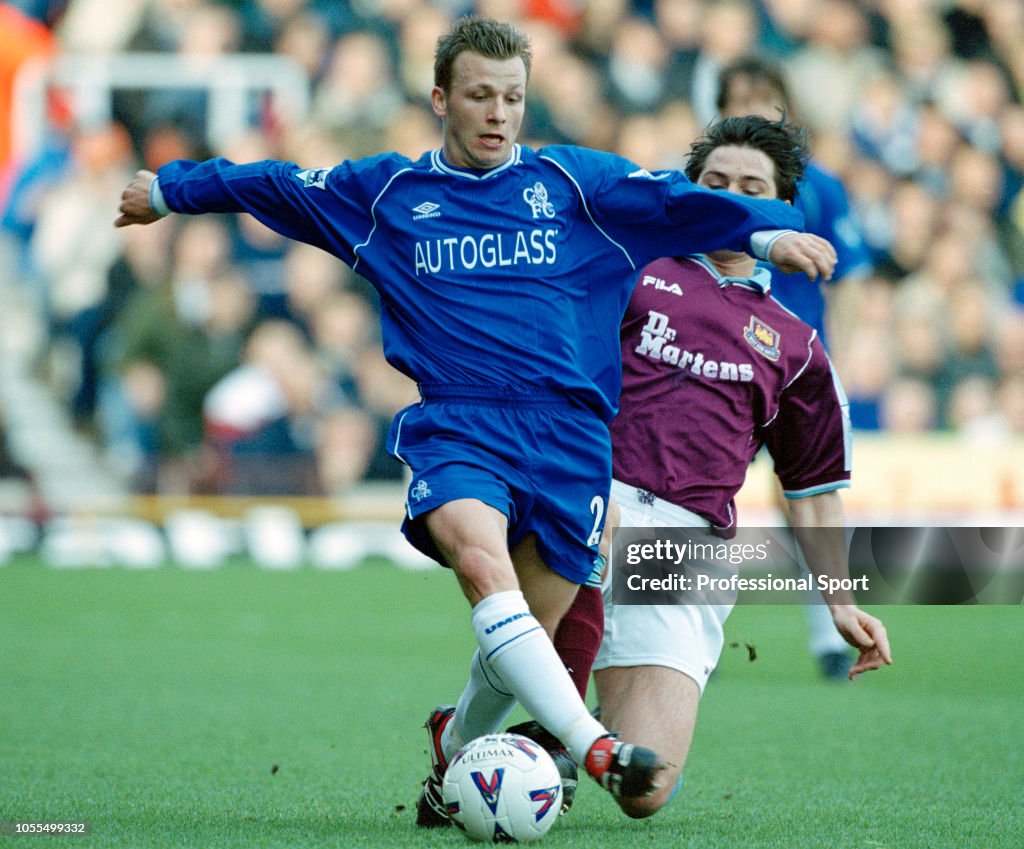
pixel 482 709
pixel 517 662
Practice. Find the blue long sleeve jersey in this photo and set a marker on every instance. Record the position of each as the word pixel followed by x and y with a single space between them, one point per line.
pixel 513 278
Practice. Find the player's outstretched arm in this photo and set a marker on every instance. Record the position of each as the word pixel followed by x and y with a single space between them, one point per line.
pixel 795 252
pixel 818 524
pixel 135 207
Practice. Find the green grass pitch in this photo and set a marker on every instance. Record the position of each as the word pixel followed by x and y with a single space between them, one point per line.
pixel 240 708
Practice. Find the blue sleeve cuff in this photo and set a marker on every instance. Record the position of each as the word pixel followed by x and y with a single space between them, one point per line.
pixel 156 199
pixel 816 490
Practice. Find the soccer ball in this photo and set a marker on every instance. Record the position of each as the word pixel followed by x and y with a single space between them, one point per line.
pixel 503 788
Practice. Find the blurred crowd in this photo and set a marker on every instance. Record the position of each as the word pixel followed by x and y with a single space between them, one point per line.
pixel 195 349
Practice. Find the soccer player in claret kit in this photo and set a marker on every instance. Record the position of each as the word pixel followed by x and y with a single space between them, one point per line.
pixel 714 368
pixel 503 274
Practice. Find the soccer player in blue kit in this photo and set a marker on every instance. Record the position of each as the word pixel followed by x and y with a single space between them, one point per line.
pixel 752 85
pixel 503 274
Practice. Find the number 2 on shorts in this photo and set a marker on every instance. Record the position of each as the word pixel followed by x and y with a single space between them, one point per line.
pixel 597 511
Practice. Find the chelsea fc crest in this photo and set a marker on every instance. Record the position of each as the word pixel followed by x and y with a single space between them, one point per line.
pixel 539 202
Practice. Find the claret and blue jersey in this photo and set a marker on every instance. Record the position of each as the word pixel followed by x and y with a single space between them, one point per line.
pixel 513 277
pixel 714 368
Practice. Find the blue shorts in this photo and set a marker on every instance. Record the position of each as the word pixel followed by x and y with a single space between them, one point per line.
pixel 543 462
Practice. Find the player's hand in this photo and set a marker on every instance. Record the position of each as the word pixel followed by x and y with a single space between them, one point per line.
pixel 865 633
pixel 795 252
pixel 135 208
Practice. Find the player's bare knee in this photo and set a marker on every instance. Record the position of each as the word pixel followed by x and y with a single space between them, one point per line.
pixel 480 569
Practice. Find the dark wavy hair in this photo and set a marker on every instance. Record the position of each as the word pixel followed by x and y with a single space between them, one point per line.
pixel 786 145
pixel 490 38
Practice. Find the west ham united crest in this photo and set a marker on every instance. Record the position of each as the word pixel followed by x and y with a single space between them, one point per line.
pixel 762 338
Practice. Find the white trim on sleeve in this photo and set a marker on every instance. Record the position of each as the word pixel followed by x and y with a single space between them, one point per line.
pixel 761 242
pixel 156 199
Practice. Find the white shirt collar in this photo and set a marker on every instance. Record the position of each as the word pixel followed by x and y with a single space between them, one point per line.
pixel 438 163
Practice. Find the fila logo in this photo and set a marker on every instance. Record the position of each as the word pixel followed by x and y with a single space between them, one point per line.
pixel 426 210
pixel 661 285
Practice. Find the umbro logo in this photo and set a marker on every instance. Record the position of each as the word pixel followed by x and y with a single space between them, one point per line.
pixel 644 174
pixel 427 209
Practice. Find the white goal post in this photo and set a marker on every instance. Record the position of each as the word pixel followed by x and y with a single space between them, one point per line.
pixel 92 80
